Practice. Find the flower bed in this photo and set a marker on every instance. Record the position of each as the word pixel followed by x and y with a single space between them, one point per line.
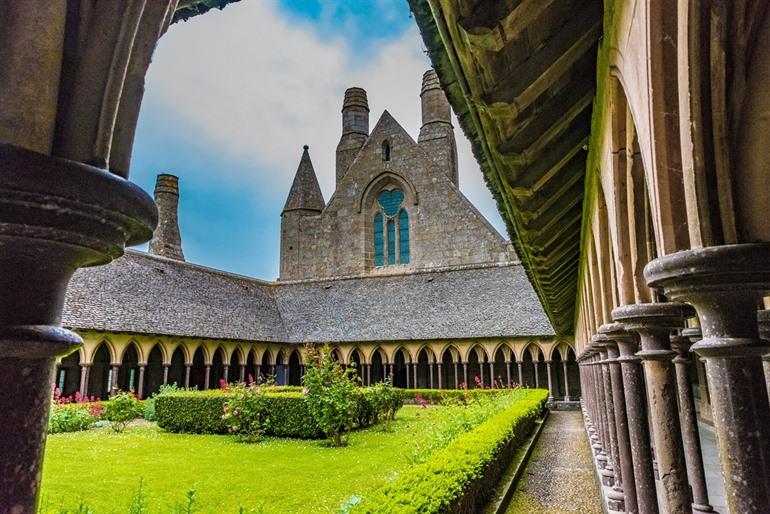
pixel 437 396
pixel 460 477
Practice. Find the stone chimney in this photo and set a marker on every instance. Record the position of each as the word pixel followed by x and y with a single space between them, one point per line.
pixel 437 134
pixel 166 240
pixel 355 128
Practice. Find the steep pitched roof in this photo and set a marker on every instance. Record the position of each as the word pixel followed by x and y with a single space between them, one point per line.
pixel 142 293
pixel 305 193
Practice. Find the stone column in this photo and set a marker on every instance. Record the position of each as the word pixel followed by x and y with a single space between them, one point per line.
pixel 242 373
pixel 84 380
pixel 465 374
pixel 409 375
pixel 550 382
pixel 521 373
pixel 165 373
pixel 566 381
pixel 481 373
pixel 536 374
pixel 368 371
pixel 653 322
pixel 508 373
pixel 457 376
pixel 690 436
pixel 114 384
pixel 414 371
pixel 187 368
pixel 725 284
pixel 430 375
pixel 615 497
pixel 226 373
pixel 285 374
pixel 763 322
pixel 625 479
pixel 207 377
pixel 492 375
pixel 140 385
pixel 258 370
pixel 440 376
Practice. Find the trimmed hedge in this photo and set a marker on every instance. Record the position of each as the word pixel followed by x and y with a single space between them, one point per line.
pixel 460 478
pixel 439 395
pixel 200 412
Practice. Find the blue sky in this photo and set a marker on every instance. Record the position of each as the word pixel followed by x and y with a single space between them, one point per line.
pixel 232 96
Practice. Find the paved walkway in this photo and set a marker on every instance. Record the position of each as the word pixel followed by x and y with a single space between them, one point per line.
pixel 559 476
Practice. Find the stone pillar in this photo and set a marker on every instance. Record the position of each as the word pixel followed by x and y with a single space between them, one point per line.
pixel 536 374
pixel 481 373
pixel 491 375
pixel 508 373
pixel 725 284
pixel 566 381
pixel 550 382
pixel 84 379
pixel 187 368
pixel 165 373
pixel 465 373
pixel 409 375
pixel 258 371
pixel 430 375
pixel 226 373
pixel 140 385
pixel 440 376
pixel 368 371
pixel 624 461
pixel 690 436
pixel 521 373
pixel 114 378
pixel 457 376
pixel 653 322
pixel 615 497
pixel 763 322
pixel 414 371
pixel 285 374
pixel 207 377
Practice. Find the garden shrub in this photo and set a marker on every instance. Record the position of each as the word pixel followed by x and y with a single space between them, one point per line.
pixel 438 396
pixel 149 403
pixel 122 408
pixel 246 413
pixel 68 419
pixel 332 395
pixel 460 477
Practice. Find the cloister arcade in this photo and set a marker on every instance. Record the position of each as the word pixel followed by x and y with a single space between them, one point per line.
pixel 142 364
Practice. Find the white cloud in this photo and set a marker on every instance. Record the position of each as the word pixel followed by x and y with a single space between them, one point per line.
pixel 257 86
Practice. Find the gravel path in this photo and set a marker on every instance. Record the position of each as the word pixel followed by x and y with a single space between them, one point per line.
pixel 559 477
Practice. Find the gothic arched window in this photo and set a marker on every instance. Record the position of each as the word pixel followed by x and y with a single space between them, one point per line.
pixel 391 229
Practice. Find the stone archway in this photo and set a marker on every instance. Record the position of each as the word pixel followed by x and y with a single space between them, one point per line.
pixel 176 371
pixel 68 374
pixel 153 375
pixel 377 372
pixel 295 369
pixel 355 356
pixel 128 372
pixel 450 378
pixel 400 368
pixel 199 370
pixel 100 374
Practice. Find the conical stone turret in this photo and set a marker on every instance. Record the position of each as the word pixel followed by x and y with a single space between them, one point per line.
pixel 305 193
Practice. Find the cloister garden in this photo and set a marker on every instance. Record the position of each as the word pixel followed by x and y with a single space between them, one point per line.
pixel 329 445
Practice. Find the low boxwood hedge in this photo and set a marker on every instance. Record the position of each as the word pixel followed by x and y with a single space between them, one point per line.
pixel 460 478
pixel 200 412
pixel 437 396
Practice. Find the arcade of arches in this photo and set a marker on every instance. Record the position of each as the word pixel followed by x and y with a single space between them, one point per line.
pixel 143 363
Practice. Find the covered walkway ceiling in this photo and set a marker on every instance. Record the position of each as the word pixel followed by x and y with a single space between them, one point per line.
pixel 521 77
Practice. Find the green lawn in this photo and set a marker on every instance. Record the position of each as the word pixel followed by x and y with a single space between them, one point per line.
pixel 103 469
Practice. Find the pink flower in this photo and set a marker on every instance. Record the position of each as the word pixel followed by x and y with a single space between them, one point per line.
pixel 234 428
pixel 305 391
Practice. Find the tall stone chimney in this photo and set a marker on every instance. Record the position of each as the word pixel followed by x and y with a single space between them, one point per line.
pixel 355 128
pixel 437 134
pixel 166 240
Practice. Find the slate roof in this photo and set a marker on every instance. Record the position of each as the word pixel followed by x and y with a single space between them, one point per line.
pixel 143 293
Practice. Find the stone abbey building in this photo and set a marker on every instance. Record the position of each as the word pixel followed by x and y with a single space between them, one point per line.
pixel 398 271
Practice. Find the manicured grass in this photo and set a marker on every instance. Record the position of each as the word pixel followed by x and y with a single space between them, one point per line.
pixel 103 469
